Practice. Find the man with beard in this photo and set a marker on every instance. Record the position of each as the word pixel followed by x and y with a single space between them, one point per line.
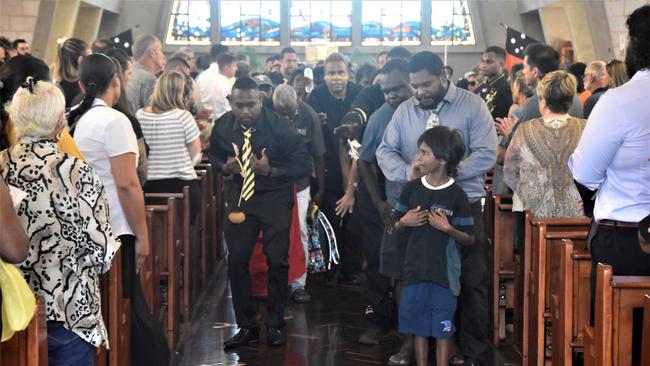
pixel 377 197
pixel 272 156
pixel 495 91
pixel 612 156
pixel 332 101
pixel 289 63
pixel 438 102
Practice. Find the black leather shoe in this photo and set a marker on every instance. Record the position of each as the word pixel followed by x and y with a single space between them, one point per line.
pixel 275 337
pixel 244 337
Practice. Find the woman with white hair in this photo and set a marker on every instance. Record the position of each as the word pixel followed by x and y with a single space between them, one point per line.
pixel 66 219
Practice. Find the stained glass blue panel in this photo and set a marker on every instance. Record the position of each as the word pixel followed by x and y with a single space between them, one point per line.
pixel 321 22
pixel 451 23
pixel 250 22
pixel 391 22
pixel 189 23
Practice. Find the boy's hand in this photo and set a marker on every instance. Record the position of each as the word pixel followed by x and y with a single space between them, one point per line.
pixel 414 217
pixel 415 172
pixel 439 220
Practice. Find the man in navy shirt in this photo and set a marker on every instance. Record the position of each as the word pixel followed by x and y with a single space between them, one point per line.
pixel 375 200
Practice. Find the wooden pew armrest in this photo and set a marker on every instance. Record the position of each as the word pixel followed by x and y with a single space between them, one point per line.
pixel 642 282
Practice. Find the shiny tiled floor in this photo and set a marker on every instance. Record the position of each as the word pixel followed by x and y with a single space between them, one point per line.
pixel 322 332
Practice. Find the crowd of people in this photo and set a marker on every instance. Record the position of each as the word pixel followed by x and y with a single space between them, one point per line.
pixel 395 155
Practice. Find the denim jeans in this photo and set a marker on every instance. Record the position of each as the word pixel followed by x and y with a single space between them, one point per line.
pixel 65 348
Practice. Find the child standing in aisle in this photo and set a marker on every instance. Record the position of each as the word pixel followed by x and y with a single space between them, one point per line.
pixel 435 214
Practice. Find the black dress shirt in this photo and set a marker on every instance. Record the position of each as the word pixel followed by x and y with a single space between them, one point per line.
pixel 497 95
pixel 324 102
pixel 286 152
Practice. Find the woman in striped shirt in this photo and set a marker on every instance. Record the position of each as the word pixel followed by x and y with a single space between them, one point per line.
pixel 173 138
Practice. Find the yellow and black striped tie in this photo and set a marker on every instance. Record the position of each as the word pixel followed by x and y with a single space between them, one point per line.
pixel 248 188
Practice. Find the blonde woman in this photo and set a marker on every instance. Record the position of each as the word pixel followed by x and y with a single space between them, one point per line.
pixel 617 73
pixel 173 138
pixel 536 161
pixel 65 215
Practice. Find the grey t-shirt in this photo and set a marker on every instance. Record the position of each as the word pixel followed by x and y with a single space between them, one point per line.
pixel 140 88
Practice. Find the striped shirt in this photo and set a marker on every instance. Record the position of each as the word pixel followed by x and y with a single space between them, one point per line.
pixel 168 134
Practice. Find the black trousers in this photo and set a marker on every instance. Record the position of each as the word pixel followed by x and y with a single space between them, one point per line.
pixel 174 185
pixel 619 247
pixel 348 241
pixel 146 332
pixel 473 300
pixel 241 238
pixel 377 285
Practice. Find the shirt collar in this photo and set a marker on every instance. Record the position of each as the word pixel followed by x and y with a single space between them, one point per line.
pixel 449 97
pixel 237 127
pixel 98 101
pixel 641 74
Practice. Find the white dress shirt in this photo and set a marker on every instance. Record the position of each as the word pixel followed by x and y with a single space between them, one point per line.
pixel 613 153
pixel 214 88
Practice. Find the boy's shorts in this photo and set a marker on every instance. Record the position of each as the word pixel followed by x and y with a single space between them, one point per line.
pixel 427 310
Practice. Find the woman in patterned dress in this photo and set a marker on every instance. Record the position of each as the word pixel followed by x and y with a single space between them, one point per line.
pixel 66 219
pixel 536 161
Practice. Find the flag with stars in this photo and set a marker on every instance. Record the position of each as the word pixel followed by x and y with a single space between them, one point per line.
pixel 124 41
pixel 516 43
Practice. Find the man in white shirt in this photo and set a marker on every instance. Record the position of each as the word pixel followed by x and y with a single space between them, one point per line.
pixel 207 79
pixel 220 86
pixel 613 158
pixel 149 60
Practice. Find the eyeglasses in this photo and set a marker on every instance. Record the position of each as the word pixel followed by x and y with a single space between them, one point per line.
pixel 612 62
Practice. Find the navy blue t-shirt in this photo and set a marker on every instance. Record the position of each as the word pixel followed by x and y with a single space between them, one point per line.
pixel 431 255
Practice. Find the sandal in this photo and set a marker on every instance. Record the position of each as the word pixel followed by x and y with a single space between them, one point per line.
pixel 457 360
pixel 403 357
pixel 461 360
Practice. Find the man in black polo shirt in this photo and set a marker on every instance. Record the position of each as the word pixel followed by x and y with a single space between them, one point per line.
pixel 495 91
pixel 279 157
pixel 332 101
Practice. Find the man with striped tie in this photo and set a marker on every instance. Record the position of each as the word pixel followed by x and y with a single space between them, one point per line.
pixel 264 156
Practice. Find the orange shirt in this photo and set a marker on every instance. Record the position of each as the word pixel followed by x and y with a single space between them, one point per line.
pixel 584 96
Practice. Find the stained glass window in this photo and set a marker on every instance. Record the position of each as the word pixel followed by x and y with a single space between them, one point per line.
pixel 321 22
pixel 189 23
pixel 391 22
pixel 250 22
pixel 451 23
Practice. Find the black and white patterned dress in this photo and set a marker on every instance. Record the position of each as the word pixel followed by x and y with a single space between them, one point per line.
pixel 66 218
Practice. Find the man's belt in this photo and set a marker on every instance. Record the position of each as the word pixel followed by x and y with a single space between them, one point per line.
pixel 621 224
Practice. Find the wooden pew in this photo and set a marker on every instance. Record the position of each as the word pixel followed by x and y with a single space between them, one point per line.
pixel 545 232
pixel 29 347
pixel 533 292
pixel 570 298
pixel 609 341
pixel 201 223
pixel 166 298
pixel 210 228
pixel 501 243
pixel 645 340
pixel 116 311
pixel 183 235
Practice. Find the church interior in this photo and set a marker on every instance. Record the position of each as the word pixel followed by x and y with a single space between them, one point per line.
pixel 301 237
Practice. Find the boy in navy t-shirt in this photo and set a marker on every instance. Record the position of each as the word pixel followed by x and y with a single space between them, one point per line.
pixel 436 216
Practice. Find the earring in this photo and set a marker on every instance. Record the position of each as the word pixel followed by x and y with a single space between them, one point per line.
pixel 59 136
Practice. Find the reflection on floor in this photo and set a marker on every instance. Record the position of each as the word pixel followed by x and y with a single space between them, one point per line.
pixel 322 332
